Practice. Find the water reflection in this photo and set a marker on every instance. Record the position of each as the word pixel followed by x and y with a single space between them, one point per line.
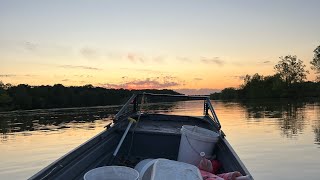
pixel 51 120
pixel 289 115
pixel 283 130
pixel 317 135
pixel 166 107
pixel 292 121
pixel 290 118
pixel 316 126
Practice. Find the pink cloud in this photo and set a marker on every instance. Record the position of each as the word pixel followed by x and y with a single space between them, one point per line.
pixel 143 84
pixel 203 91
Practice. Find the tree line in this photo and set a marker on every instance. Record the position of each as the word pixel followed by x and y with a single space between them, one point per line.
pixel 289 81
pixel 25 97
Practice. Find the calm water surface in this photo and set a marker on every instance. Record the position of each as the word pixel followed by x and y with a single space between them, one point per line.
pixel 275 140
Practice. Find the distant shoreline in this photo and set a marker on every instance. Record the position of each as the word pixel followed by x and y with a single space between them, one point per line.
pixel 270 89
pixel 26 97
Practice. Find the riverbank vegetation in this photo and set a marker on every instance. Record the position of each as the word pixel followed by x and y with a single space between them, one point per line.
pixel 24 96
pixel 289 81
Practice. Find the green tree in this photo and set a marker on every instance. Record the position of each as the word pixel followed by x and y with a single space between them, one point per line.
pixel 21 96
pixel 5 99
pixel 291 69
pixel 229 93
pixel 315 63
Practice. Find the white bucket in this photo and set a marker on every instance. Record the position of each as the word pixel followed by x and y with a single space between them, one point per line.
pixel 144 168
pixel 195 140
pixel 112 173
pixel 164 169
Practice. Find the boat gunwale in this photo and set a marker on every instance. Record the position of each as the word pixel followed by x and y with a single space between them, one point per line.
pixel 73 154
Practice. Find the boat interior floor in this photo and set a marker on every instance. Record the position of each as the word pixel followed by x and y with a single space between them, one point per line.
pixel 153 138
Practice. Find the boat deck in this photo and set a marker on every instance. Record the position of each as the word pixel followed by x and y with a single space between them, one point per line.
pixel 155 136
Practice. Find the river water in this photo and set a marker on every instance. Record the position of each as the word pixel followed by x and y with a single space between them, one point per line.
pixel 274 139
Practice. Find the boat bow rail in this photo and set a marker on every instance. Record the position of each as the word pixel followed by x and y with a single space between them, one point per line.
pixel 137 100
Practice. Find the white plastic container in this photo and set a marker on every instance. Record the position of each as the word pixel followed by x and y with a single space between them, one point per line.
pixel 195 140
pixel 112 173
pixel 164 169
pixel 144 168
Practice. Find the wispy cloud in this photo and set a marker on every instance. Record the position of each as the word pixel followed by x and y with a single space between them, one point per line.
pixel 30 75
pixel 17 75
pixel 30 46
pixel 133 57
pixel 143 70
pixel 43 49
pixel 136 57
pixel 266 62
pixel 8 75
pixel 241 77
pixel 184 59
pixel 198 79
pixel 89 53
pixel 148 83
pixel 79 67
pixel 159 59
pixel 83 76
pixel 214 60
pixel 65 80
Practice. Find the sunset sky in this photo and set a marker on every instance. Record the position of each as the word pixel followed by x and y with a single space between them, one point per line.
pixel 174 44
